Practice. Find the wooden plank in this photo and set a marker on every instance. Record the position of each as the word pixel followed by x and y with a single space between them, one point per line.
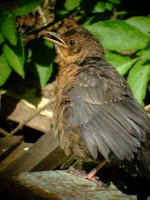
pixel 7 144
pixel 44 154
pixel 60 185
pixel 18 111
pixel 14 155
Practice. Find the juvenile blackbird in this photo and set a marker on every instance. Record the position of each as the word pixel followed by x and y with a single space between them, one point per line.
pixel 95 111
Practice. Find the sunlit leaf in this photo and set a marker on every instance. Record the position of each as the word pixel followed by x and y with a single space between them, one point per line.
pixel 99 7
pixel 138 78
pixel 14 58
pixel 124 68
pixel 109 6
pixel 119 35
pixel 44 73
pixel 70 5
pixel 120 62
pixel 140 22
pixel 116 59
pixel 145 54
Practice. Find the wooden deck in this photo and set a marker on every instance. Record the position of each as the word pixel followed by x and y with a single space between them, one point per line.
pixel 30 170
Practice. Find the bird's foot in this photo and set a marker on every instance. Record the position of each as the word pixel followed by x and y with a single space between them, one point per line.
pixel 81 173
pixel 89 176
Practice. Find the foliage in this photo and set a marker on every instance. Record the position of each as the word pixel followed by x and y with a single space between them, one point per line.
pixel 124 35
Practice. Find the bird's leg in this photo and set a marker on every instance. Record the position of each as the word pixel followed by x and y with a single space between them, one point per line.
pixel 91 175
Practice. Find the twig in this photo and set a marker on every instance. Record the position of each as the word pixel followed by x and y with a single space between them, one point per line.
pixel 21 124
pixel 54 22
pixel 3 132
pixel 40 11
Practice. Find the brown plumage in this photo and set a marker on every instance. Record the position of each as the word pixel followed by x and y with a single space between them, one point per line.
pixel 95 111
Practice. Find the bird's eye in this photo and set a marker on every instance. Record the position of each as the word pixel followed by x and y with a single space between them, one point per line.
pixel 72 42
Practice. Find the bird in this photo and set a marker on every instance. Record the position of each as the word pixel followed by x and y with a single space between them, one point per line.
pixel 95 112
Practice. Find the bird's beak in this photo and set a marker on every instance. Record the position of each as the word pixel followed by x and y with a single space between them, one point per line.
pixel 55 37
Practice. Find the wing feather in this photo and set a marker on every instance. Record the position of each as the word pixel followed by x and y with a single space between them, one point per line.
pixel 108 117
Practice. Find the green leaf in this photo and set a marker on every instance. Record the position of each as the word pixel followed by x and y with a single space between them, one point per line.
pixel 5 70
pixel 116 59
pixel 44 73
pixel 88 21
pixel 145 54
pixel 14 58
pixel 115 1
pixel 118 35
pixel 109 6
pixel 123 69
pixel 120 62
pixel 1 38
pixel 140 22
pixel 8 27
pixel 99 7
pixel 26 6
pixel 70 5
pixel 21 51
pixel 40 64
pixel 62 12
pixel 138 79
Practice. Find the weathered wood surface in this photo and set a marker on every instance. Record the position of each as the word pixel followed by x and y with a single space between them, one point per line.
pixel 60 185
pixel 45 154
pixel 7 144
pixel 18 111
pixel 15 154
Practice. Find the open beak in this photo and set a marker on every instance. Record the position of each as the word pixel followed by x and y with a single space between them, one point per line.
pixel 54 37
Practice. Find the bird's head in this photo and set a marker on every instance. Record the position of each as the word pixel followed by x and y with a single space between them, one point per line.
pixel 75 45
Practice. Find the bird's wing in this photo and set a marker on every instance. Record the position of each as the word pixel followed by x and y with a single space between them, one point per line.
pixel 108 118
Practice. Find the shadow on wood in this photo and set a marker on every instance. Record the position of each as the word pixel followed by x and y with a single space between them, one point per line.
pixel 45 154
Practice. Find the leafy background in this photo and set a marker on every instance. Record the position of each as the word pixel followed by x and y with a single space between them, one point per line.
pixel 123 27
